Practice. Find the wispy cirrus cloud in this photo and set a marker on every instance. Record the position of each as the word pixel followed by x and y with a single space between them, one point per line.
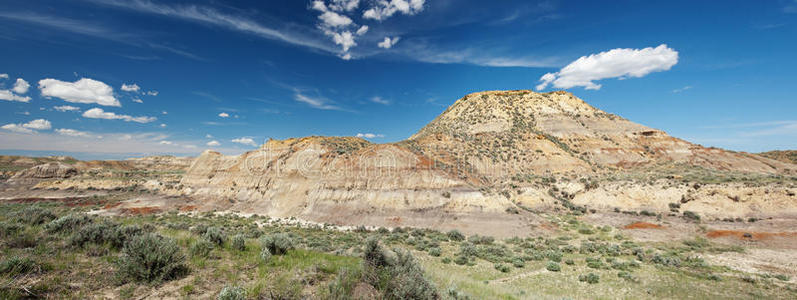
pixel 212 16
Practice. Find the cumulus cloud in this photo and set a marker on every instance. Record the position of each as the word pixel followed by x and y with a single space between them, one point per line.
pixel 370 135
pixel 214 143
pixel 85 90
pixel 245 141
pixel 617 63
pixel 379 100
pixel 363 30
pixel 16 128
pixel 21 86
pixel 387 43
pixel 38 124
pixel 98 113
pixel 3 76
pixel 65 108
pixel 7 95
pixel 30 127
pixel 166 143
pixel 383 9
pixel 72 132
pixel 224 115
pixel 131 88
pixel 136 100
pixel 152 93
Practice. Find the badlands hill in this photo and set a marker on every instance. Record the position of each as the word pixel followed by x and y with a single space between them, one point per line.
pixel 492 152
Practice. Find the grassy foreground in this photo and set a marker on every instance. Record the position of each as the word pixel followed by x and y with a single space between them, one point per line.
pixel 48 250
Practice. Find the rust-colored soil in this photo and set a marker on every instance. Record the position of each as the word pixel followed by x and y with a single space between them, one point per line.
pixel 643 225
pixel 146 210
pixel 749 235
pixel 187 208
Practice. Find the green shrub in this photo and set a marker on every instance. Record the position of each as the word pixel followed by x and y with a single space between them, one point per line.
pixel 553 267
pixel 16 265
pixel 570 262
pixel 590 278
pixel 468 249
pixel 455 235
pixel 277 244
pixel 518 263
pixel 585 230
pixel 693 216
pixel 68 223
pixel 35 215
pixel 399 278
pixel 265 255
pixel 214 235
pixel 9 229
pixel 446 260
pixel 461 260
pixel 435 251
pixel 501 267
pixel 783 277
pixel 232 293
pixel 97 233
pixel 239 242
pixel 125 233
pixel 201 248
pixel 151 258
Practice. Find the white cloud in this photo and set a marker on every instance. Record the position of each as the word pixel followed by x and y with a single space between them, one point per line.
pixel 379 100
pixel 387 43
pixel 9 96
pixel 224 115
pixel 21 86
pixel 98 113
pixel 84 90
pixel 38 124
pixel 65 108
pixel 131 87
pixel 166 143
pixel 208 15
pixel 342 5
pixel 30 127
pixel 136 100
pixel 208 136
pixel 315 102
pixel 16 128
pixel 3 76
pixel 617 63
pixel 363 30
pixel 72 132
pixel 245 141
pixel 152 93
pixel 682 89
pixel 383 9
pixel 165 112
pixel 370 135
pixel 214 143
pixel 332 19
pixel 163 125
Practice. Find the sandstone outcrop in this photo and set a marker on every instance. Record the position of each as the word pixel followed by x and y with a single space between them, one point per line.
pixel 47 171
pixel 487 153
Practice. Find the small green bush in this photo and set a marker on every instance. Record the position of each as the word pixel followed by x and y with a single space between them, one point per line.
pixel 68 223
pixel 692 216
pixel 35 215
pixel 265 255
pixel 398 278
pixel 553 267
pixel 151 258
pixel 570 262
pixel 214 235
pixel 435 251
pixel 501 267
pixel 590 278
pixel 455 235
pixel 518 263
pixel 16 265
pixel 201 248
pixel 231 292
pixel 277 244
pixel 97 233
pixel 238 242
pixel 461 260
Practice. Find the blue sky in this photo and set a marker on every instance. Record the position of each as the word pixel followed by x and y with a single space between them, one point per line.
pixel 227 75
